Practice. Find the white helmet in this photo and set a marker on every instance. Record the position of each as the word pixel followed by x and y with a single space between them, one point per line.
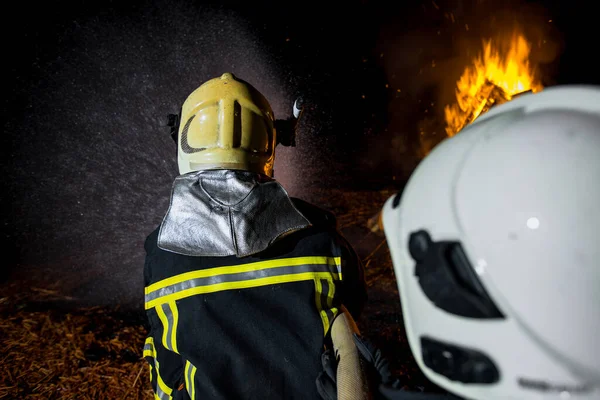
pixel 495 242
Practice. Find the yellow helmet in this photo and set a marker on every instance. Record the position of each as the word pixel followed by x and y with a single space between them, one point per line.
pixel 226 124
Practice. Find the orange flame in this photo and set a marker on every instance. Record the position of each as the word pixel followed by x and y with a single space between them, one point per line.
pixel 493 78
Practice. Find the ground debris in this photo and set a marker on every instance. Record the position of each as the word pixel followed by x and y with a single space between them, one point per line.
pixel 90 353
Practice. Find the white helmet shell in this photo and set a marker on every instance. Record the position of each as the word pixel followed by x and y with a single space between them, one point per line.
pixel 519 189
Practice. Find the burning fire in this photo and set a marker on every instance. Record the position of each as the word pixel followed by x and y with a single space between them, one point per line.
pixel 494 78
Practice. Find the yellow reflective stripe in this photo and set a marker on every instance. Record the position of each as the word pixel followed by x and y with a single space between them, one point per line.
pixel 236 269
pixel 190 375
pixel 161 384
pixel 169 316
pixel 324 295
pixel 175 313
pixel 272 280
pixel 150 350
pixel 149 347
pixel 318 298
pixel 332 311
pixel 330 293
pixel 165 324
pixel 193 395
pixel 186 375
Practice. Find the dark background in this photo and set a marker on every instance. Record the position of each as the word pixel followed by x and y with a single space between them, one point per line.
pixel 88 163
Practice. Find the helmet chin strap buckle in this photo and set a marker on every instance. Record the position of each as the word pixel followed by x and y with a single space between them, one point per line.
pixel 287 128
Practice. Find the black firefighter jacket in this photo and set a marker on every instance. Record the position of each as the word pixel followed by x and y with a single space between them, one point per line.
pixel 249 327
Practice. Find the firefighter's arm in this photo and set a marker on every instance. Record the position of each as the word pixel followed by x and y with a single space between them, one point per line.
pixel 166 366
pixel 353 287
pixel 344 376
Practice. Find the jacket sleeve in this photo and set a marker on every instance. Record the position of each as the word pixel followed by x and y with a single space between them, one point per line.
pixel 166 366
pixel 166 369
pixel 354 287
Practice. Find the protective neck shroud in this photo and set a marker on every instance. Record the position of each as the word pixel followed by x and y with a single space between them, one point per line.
pixel 227 212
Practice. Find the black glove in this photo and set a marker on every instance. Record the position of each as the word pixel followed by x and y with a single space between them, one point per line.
pixel 327 379
pixel 375 359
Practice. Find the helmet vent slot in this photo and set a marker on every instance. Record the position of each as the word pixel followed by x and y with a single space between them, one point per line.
pixel 447 278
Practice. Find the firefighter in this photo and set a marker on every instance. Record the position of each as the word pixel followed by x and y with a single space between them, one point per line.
pixel 242 282
pixel 495 244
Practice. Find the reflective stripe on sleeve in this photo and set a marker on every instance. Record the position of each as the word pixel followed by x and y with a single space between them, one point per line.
pixel 162 391
pixel 324 294
pixel 190 375
pixel 169 316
